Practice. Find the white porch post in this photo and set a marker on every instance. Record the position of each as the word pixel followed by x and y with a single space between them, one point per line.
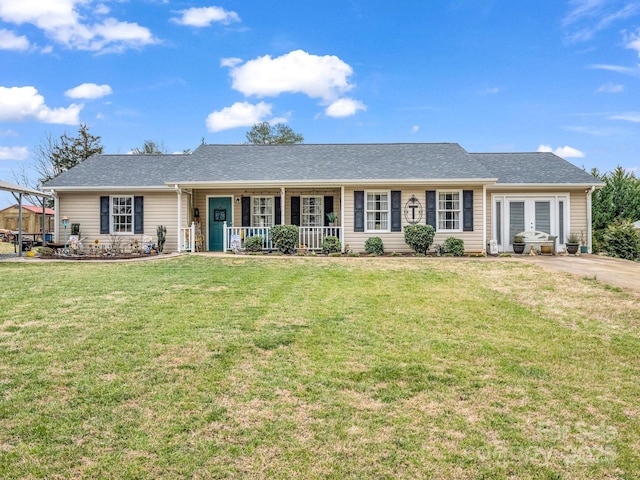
pixel 225 242
pixel 589 218
pixel 342 241
pixel 179 229
pixel 283 220
pixel 484 219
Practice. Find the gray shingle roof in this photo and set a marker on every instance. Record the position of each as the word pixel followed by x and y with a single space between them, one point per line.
pixel 309 163
pixel 534 167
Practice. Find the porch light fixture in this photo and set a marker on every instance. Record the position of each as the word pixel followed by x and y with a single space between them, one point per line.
pixel 65 224
pixel 237 199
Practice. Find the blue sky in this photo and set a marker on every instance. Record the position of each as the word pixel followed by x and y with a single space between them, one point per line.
pixel 492 75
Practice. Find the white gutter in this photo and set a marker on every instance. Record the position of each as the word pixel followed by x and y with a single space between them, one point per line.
pixel 336 183
pixel 179 229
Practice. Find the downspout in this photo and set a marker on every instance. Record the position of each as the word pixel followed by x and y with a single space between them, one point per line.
pixel 343 239
pixel 484 219
pixel 589 218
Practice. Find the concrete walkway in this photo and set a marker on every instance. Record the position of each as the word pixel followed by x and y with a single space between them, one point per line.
pixel 613 271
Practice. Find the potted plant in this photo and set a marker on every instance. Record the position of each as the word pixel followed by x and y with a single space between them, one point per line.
pixel 584 248
pixel 573 243
pixel 518 244
pixel 332 219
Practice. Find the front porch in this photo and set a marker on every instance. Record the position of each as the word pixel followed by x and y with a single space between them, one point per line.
pixel 309 238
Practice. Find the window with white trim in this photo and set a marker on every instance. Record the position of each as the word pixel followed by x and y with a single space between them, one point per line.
pixel 450 210
pixel 262 211
pixel 312 214
pixel 377 211
pixel 122 214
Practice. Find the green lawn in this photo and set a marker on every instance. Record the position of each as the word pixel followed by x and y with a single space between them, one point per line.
pixel 245 367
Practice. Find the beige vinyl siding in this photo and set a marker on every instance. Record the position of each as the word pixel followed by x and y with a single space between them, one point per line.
pixel 394 241
pixel 159 209
pixel 578 214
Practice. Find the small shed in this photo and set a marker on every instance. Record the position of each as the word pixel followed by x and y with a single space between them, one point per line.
pixel 31 218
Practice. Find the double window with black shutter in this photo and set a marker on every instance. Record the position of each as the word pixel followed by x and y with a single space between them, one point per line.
pixel 382 211
pixel 121 214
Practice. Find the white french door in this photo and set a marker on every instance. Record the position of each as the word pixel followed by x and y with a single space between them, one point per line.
pixel 515 214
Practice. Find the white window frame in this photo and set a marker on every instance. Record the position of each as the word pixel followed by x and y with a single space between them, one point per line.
pixel 270 218
pixel 459 211
pixel 368 212
pixel 113 214
pixel 319 216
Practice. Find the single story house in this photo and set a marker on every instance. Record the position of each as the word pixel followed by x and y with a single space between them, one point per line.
pixel 31 218
pixel 236 191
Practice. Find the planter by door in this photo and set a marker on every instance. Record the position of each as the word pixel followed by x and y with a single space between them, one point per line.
pixel 519 247
pixel 572 248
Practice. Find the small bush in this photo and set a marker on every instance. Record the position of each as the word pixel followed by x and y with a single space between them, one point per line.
pixel 331 244
pixel 419 237
pixel 285 238
pixel 453 246
pixel 45 251
pixel 621 240
pixel 253 244
pixel 374 246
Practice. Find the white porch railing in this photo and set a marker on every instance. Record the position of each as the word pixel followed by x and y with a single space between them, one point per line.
pixel 187 241
pixel 309 237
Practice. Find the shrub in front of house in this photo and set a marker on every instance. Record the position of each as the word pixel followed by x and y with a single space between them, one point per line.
pixel 419 237
pixel 621 240
pixel 285 238
pixel 374 246
pixel 331 244
pixel 453 246
pixel 253 244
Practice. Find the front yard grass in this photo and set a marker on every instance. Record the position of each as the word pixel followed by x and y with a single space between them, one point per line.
pixel 215 367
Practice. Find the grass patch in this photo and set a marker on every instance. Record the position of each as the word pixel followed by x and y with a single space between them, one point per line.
pixel 203 367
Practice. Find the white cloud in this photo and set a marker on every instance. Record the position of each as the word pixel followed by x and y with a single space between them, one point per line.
pixel 564 152
pixel 628 116
pixel 14 153
pixel 610 88
pixel 633 42
pixel 322 77
pixel 633 71
pixel 295 72
pixel 587 17
pixel 240 114
pixel 8 133
pixel 415 128
pixel 11 41
pixel 61 20
pixel 491 91
pixel 89 91
pixel 18 104
pixel 344 107
pixel 204 16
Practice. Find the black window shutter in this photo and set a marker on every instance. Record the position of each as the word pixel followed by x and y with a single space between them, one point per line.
pixel 104 215
pixel 246 211
pixel 295 211
pixel 358 211
pixel 138 214
pixel 278 212
pixel 431 209
pixel 328 208
pixel 396 211
pixel 467 210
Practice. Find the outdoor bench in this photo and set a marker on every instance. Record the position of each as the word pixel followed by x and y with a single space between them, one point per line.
pixel 535 238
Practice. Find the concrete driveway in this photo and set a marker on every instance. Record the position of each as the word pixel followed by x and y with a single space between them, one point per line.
pixel 613 271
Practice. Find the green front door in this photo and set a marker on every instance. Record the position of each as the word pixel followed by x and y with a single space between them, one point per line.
pixel 219 212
